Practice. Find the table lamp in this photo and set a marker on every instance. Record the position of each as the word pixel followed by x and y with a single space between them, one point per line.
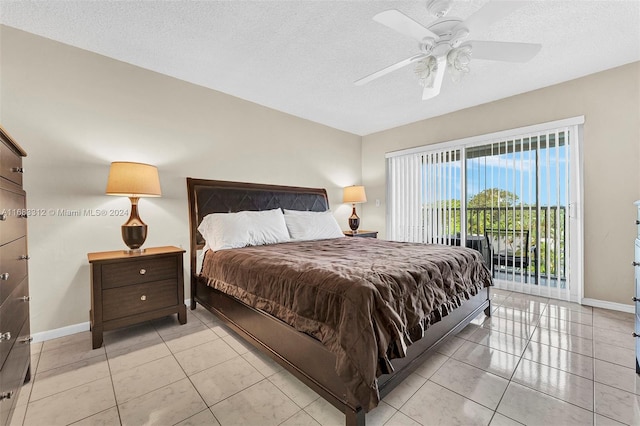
pixel 133 180
pixel 354 194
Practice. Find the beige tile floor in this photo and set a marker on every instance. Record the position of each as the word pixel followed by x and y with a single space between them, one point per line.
pixel 536 361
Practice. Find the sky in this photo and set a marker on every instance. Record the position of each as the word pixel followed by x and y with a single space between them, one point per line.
pixel 513 172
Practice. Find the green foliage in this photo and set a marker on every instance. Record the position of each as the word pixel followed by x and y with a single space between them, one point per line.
pixel 493 197
pixel 500 209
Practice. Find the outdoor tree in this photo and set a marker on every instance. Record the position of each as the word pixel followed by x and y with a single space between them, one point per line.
pixel 493 197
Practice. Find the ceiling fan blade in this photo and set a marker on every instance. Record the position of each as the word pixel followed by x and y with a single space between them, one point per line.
pixel 400 22
pixel 434 89
pixel 389 69
pixel 488 14
pixel 504 51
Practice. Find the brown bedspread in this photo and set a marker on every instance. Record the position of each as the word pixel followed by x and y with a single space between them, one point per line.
pixel 365 299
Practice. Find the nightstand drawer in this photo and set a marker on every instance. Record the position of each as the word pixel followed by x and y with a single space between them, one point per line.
pixel 136 299
pixel 139 271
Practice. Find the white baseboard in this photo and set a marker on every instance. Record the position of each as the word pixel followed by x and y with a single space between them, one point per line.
pixel 60 332
pixel 70 329
pixel 609 305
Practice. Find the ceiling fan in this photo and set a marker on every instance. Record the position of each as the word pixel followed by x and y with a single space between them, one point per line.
pixel 443 43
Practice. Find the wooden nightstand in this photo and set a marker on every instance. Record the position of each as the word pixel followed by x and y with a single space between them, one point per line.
pixel 367 234
pixel 130 288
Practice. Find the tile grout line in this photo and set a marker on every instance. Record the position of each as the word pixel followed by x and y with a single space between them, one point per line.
pixel 301 409
pixel 516 368
pixel 153 390
pixel 235 393
pixel 33 382
pixel 426 381
pixel 593 357
pixel 593 370
pixel 593 360
pixel 189 377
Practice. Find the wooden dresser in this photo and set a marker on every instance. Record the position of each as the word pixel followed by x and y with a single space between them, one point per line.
pixel 15 356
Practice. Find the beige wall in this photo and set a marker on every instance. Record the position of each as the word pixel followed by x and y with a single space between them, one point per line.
pixel 610 102
pixel 74 112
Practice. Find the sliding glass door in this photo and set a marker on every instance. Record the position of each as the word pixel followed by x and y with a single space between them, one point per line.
pixel 512 197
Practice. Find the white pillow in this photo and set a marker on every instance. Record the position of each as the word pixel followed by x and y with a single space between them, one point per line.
pixel 304 226
pixel 247 228
pixel 267 227
pixel 225 231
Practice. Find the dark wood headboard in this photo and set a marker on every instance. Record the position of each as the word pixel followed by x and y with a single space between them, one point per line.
pixel 216 196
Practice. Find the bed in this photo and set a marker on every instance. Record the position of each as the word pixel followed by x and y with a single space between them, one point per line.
pixel 297 347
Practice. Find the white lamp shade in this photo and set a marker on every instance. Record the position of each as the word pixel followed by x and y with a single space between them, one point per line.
pixel 133 180
pixel 354 194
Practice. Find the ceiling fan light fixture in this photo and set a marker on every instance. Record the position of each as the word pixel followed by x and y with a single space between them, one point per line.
pixel 426 70
pixel 459 60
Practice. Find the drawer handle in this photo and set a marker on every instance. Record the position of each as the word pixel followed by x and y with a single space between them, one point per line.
pixel 637 221
pixel 24 257
pixel 4 277
pixel 636 263
pixel 26 340
pixel 25 298
pixel 143 297
pixel 143 271
pixel 5 336
pixel 6 395
pixel 3 217
pixel 635 299
pixel 17 169
pixel 635 334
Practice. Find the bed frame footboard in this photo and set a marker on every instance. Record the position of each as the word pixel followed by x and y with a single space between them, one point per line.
pixel 308 360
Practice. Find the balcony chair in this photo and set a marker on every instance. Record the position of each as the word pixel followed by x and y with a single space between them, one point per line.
pixel 509 249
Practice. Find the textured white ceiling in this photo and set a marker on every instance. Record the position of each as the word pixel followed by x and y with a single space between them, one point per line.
pixel 302 57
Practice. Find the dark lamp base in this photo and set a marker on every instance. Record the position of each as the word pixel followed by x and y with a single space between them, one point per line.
pixel 354 220
pixel 134 236
pixel 134 231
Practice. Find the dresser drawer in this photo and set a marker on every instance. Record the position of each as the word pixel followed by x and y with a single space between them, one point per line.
pixel 10 165
pixel 12 224
pixel 137 299
pixel 13 266
pixel 13 313
pixel 138 271
pixel 14 370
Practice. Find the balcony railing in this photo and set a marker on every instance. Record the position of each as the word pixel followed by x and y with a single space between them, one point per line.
pixel 548 234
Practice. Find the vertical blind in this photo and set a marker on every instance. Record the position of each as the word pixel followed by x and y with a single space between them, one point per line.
pixel 424 192
pixel 517 186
